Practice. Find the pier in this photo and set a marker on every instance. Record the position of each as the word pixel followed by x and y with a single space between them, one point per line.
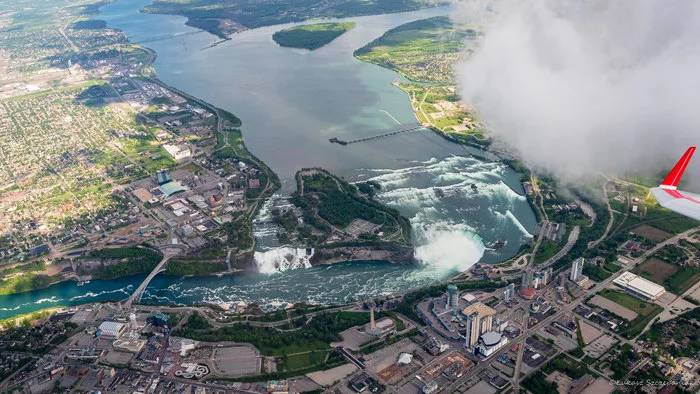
pixel 404 129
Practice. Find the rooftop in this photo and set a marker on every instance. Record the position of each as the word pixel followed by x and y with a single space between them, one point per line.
pixel 639 284
pixel 479 308
pixel 171 188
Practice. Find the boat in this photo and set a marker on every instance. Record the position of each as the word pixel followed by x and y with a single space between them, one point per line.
pixel 497 245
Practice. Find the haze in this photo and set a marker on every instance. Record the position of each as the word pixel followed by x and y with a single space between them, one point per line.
pixel 580 87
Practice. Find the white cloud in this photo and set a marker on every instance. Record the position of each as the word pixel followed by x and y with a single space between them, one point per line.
pixel 583 86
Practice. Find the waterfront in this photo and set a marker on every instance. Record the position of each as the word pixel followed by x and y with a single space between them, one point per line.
pixel 291 101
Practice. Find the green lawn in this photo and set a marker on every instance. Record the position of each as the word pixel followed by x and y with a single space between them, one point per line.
pixel 546 250
pixel 647 311
pixel 311 36
pixel 302 361
pixel 682 280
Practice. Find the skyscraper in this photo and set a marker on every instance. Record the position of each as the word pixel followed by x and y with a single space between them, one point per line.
pixel 526 282
pixel 508 293
pixel 452 297
pixel 576 269
pixel 478 319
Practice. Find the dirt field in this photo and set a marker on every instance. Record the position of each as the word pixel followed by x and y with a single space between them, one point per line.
pixel 391 374
pixel 614 307
pixel 657 270
pixel 651 233
pixel 118 358
pixel 563 382
pixel 588 332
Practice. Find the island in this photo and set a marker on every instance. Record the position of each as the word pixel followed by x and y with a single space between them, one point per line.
pixel 311 36
pixel 343 221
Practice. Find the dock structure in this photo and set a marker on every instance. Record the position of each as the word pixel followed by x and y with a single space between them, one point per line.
pixel 404 129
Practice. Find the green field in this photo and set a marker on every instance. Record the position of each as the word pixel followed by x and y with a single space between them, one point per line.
pixel 302 360
pixel 656 270
pixel 311 36
pixel 682 280
pixel 423 50
pixel 646 311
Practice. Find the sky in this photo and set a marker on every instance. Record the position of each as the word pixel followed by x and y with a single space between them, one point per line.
pixel 580 87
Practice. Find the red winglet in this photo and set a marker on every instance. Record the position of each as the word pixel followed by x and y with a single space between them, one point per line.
pixel 673 177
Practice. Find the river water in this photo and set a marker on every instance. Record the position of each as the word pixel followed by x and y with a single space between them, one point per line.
pixel 291 102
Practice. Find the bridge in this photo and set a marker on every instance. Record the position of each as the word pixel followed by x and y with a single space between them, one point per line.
pixel 136 296
pixel 404 129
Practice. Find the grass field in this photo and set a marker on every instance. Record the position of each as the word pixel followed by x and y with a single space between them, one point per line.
pixel 646 311
pixel 682 280
pixel 303 360
pixel 651 233
pixel 656 270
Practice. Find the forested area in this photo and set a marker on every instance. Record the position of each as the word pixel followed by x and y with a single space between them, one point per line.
pixel 311 36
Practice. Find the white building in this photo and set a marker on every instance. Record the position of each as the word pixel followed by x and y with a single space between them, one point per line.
pixel 405 358
pixel 639 286
pixel 110 329
pixel 178 152
pixel 490 342
pixel 576 269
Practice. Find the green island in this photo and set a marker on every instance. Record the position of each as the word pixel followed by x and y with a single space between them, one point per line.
pixel 223 18
pixel 336 213
pixel 311 36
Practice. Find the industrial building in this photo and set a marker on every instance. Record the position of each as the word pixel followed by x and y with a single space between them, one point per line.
pixel 478 320
pixel 640 287
pixel 110 329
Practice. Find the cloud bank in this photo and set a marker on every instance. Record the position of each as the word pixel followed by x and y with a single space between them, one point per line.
pixel 584 86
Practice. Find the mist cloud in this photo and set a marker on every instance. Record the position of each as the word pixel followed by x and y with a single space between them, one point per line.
pixel 584 86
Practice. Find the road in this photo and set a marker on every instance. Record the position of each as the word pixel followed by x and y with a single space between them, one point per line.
pixel 610 223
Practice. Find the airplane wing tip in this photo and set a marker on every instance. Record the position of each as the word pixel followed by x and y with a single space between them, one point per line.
pixel 673 177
